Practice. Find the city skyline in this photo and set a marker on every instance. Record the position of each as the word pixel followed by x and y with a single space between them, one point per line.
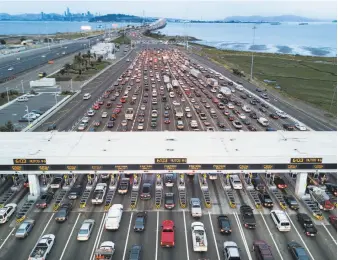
pixel 204 10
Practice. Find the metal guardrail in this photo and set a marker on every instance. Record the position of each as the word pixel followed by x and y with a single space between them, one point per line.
pixel 205 190
pixel 228 190
pixel 135 191
pixel 111 192
pixel 182 192
pixel 312 207
pixel 7 197
pixel 158 191
pixel 22 213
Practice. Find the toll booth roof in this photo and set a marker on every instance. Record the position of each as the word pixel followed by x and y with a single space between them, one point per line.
pixel 142 148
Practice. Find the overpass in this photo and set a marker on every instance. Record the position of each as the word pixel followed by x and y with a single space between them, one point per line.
pixel 159 24
pixel 294 153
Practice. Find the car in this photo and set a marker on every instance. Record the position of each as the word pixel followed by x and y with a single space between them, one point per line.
pixel 297 251
pixel 231 250
pixel 252 128
pixel 253 115
pixel 333 221
pixel 85 230
pixel 180 125
pixel 203 100
pixel 100 102
pixel 140 126
pixel 146 191
pixel 22 99
pixel 187 109
pixel 280 183
pixel 331 188
pixel 10 68
pixel 206 105
pixel 274 116
pixel 265 199
pixel 110 124
pixel 281 114
pixel 237 124
pixel 140 221
pixel 82 126
pixel 75 192
pixel 124 122
pixel 154 113
pixel 224 224
pixel 44 200
pixel 168 233
pixel 192 100
pixel 262 109
pixel 270 129
pixel 288 127
pixel 169 200
pixel 175 103
pixel 51 127
pixel 291 201
pixel 6 212
pixel 301 127
pixel 246 109
pixel 90 112
pixel 263 104
pixel 241 116
pixel 307 224
pixel 62 214
pixel 135 252
pixel 262 250
pixel 258 184
pixel 104 114
pixel 221 106
pixel 230 106
pixel 248 217
pixel 25 228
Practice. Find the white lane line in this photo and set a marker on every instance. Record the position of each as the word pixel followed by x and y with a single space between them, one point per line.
pixel 241 231
pixel 273 240
pixel 157 227
pixel 186 235
pixel 98 237
pixel 126 244
pixel 50 219
pixel 326 231
pixel 71 233
pixel 213 234
pixel 300 236
pixel 10 233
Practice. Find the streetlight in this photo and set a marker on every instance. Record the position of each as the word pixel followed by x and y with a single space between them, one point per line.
pixel 23 90
pixel 7 94
pixel 252 57
pixel 56 99
pixel 28 117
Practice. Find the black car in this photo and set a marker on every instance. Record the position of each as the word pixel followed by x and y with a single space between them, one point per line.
pixel 265 105
pixel 258 184
pixel 224 224
pixel 297 251
pixel 146 191
pixel 221 124
pixel 62 214
pixel 243 96
pixel 274 116
pixel 140 221
pixel 332 188
pixel 288 127
pixel 75 192
pixel 265 199
pixel 169 200
pixel 44 200
pixel 258 90
pixel 253 115
pixel 51 127
pixel 248 217
pixel 262 109
pixel 246 121
pixel 291 202
pixel 306 222
pixel 252 128
pixel 145 100
pixel 135 252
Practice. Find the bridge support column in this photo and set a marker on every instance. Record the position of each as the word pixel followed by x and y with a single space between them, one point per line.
pixel 34 187
pixel 301 183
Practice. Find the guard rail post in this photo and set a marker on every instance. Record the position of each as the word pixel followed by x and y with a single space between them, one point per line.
pixel 111 192
pixel 228 189
pixel 135 191
pixel 182 193
pixel 158 191
pixel 205 190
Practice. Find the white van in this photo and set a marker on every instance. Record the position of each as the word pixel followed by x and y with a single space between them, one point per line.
pixel 22 99
pixel 281 220
pixel 86 96
pixel 263 121
pixel 236 182
pixel 114 217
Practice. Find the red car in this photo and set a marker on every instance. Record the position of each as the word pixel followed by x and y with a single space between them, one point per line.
pixel 117 110
pixel 166 120
pixel 168 233
pixel 119 105
pixel 280 183
pixel 123 100
pixel 333 220
pixel 97 123
pixel 215 100
pixel 231 118
pixel 100 102
pixel 226 112
pixel 96 106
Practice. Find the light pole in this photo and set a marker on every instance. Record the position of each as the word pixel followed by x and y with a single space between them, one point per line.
pixel 23 90
pixel 56 99
pixel 28 117
pixel 252 57
pixel 7 95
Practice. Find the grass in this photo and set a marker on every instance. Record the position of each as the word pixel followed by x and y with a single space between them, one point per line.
pixel 12 95
pixel 307 78
pixel 122 40
pixel 159 36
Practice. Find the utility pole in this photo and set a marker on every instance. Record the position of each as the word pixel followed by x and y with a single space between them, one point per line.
pixel 252 57
pixel 23 90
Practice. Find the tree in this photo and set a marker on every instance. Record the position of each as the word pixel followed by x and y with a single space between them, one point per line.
pixel 99 59
pixel 2 41
pixel 67 66
pixel 22 39
pixel 10 127
pixel 3 128
pixel 62 71
pixel 80 72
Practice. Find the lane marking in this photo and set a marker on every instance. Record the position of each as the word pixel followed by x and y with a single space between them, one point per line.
pixel 273 240
pixel 300 236
pixel 10 233
pixel 43 231
pixel 71 233
pixel 213 234
pixel 186 236
pixel 157 228
pixel 126 244
pixel 326 231
pixel 98 237
pixel 241 231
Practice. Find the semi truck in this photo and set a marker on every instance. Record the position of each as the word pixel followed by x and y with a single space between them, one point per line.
pixel 129 115
pixel 212 82
pixel 225 91
pixel 42 247
pixel 169 87
pixel 196 73
pixel 99 193
pixel 199 237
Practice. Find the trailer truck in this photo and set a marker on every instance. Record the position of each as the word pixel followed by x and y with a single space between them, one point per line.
pixel 196 73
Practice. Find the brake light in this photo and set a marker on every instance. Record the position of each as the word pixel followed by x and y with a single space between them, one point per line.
pixel 308 233
pixel 246 225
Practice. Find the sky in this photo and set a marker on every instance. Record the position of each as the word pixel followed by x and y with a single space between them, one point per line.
pixel 186 9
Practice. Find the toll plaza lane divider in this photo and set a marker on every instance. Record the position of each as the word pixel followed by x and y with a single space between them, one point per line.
pixel 158 191
pixel 182 193
pixel 38 122
pixel 205 190
pixel 111 191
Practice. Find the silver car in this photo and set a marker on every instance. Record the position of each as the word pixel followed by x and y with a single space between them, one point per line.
pixel 25 228
pixel 86 230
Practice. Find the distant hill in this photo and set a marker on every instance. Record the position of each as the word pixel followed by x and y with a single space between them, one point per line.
pixel 280 18
pixel 121 18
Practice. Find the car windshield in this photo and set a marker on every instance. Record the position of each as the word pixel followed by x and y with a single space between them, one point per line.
pixel 146 189
pixel 83 231
pixel 139 221
pixel 21 230
pixel 170 200
pixel 225 223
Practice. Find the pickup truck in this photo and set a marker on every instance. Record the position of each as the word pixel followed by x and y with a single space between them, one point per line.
pixel 248 217
pixel 42 248
pixel 105 251
pixel 195 207
pixel 168 233
pixel 199 237
pixel 99 193
pixel 124 186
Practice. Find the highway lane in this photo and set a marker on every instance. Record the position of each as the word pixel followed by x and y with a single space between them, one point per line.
pixel 39 57
pixel 303 116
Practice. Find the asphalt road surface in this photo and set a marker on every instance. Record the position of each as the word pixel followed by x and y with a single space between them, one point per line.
pixel 322 246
